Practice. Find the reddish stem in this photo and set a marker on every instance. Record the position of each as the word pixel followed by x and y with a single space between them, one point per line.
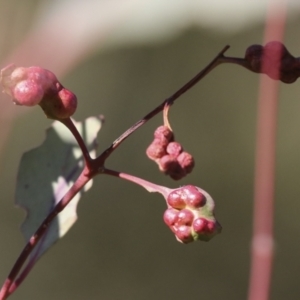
pixel 85 152
pixel 78 185
pixel 262 240
pixel 215 62
pixel 166 116
pixel 92 167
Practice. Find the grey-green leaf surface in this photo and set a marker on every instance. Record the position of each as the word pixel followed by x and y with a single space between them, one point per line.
pixel 46 173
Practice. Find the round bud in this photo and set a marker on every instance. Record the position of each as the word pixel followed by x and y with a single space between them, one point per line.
pixel 175 200
pixel 69 103
pixel 183 234
pixel 170 216
pixel 27 93
pixel 155 150
pixel 163 133
pixel 43 77
pixel 195 198
pixel 186 161
pixel 289 77
pixel 254 56
pixel 174 149
pixel 185 217
pixel 283 65
pixel 59 106
pixel 170 166
pixel 211 226
pixel 200 225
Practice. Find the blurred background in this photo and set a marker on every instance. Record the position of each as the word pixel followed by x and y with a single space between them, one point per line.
pixel 122 58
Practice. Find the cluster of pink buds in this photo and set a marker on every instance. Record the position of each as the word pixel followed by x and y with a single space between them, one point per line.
pixel 169 155
pixel 190 214
pixel 278 62
pixel 37 86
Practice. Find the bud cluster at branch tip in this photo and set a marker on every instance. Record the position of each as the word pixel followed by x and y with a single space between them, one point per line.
pixel 278 64
pixel 190 214
pixel 37 86
pixel 169 154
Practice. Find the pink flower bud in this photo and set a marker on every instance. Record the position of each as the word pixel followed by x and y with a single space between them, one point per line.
pixel 185 217
pixel 164 134
pixel 183 234
pixel 69 103
pixel 176 200
pixel 174 149
pixel 186 161
pixel 27 93
pixel 170 216
pixel 200 225
pixel 169 165
pixel 195 198
pixel 156 150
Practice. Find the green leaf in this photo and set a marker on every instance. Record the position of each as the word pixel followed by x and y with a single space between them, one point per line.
pixel 46 173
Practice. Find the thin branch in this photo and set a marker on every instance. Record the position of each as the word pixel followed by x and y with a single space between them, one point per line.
pixel 149 186
pixel 215 62
pixel 85 152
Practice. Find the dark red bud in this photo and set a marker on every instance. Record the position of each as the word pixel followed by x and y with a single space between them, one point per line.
pixel 59 106
pixel 278 62
pixel 254 56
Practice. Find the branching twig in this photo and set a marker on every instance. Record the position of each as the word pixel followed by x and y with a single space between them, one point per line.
pixel 215 62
